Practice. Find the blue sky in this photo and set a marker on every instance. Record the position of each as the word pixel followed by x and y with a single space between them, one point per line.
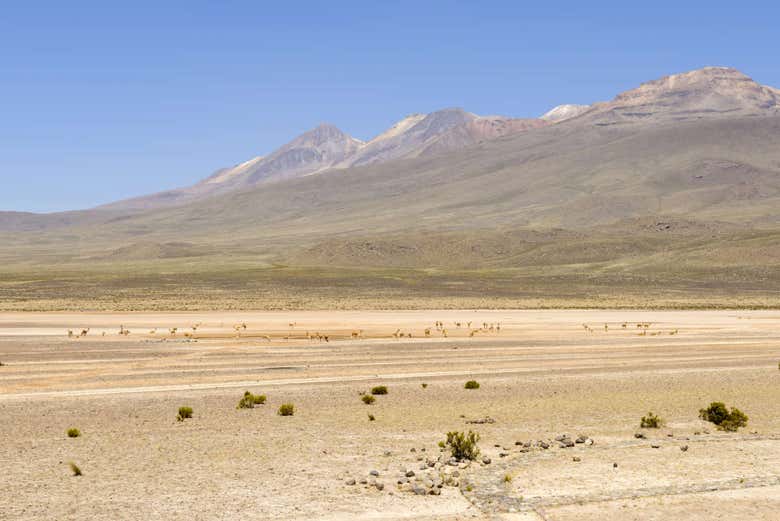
pixel 100 102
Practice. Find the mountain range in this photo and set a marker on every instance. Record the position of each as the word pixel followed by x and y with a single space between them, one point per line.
pixel 680 171
pixel 327 147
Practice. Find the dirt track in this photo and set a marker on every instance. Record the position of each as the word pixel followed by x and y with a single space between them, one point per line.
pixel 542 374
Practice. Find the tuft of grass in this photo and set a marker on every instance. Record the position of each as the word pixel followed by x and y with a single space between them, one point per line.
pixel 463 446
pixel 471 384
pixel 249 400
pixel 371 417
pixel 75 469
pixel 724 419
pixel 73 432
pixel 379 389
pixel 286 409
pixel 507 478
pixel 651 421
pixel 184 413
pixel 368 399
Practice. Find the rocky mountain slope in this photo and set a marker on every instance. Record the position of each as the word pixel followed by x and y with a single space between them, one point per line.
pixel 704 93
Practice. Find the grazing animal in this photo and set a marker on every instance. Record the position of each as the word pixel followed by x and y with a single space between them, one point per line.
pixel 84 332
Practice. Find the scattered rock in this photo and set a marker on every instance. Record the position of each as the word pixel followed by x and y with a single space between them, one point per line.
pixel 363 481
pixel 581 439
pixel 379 485
pixel 543 444
pixel 565 443
pixel 417 489
pixel 485 460
pixel 684 448
pixel 655 446
pixel 374 473
pixel 350 482
pixel 589 442
pixel 614 465
pixel 409 473
pixel 640 435
pixel 481 421
pixel 576 458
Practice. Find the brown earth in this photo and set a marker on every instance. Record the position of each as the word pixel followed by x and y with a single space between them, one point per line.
pixel 543 374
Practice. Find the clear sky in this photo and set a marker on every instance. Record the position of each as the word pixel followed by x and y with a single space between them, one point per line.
pixel 100 102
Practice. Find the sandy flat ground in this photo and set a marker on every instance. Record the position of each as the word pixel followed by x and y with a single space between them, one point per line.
pixel 541 373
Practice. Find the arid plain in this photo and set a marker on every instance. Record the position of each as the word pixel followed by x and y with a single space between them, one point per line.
pixel 542 374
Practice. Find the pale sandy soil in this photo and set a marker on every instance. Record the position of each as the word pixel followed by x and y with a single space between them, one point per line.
pixel 543 374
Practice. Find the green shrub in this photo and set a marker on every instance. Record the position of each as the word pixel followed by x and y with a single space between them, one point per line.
pixel 371 417
pixel 471 384
pixel 73 432
pixel 286 409
pixel 75 469
pixel 368 399
pixel 651 421
pixel 463 446
pixel 507 478
pixel 184 413
pixel 724 419
pixel 379 389
pixel 249 400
